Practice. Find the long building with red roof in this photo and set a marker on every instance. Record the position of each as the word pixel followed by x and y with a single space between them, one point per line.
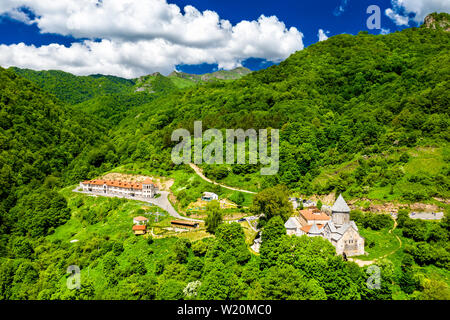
pixel 144 189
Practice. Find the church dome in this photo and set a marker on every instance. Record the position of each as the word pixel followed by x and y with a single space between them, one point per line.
pixel 340 205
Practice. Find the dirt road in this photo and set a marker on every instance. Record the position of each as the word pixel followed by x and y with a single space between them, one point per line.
pixel 199 172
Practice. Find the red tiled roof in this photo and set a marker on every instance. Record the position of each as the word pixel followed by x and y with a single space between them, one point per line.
pixel 140 218
pixel 139 227
pixel 148 181
pixel 96 182
pixel 306 228
pixel 118 184
pixel 309 215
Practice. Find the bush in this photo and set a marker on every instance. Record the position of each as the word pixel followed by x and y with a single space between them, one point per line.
pixel 200 248
pixel 171 290
pixel 180 249
pixel 117 248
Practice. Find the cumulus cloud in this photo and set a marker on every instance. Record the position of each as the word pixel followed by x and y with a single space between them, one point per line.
pixel 416 10
pixel 141 36
pixel 322 35
pixel 397 18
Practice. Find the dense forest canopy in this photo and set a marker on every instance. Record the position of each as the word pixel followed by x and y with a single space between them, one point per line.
pixel 347 98
pixel 40 136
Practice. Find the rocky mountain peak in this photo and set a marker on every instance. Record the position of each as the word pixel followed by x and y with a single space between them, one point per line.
pixel 439 21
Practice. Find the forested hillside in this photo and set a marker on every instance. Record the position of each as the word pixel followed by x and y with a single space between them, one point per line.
pixel 39 137
pixel 74 89
pixel 358 114
pixel 365 102
pixel 364 115
pixel 77 89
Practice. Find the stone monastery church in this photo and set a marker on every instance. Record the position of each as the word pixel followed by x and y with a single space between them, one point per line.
pixel 337 228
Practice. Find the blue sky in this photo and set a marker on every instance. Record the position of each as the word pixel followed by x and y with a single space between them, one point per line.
pixel 307 17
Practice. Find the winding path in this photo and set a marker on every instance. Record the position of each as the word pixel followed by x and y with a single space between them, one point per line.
pixel 362 263
pixel 199 172
pixel 399 241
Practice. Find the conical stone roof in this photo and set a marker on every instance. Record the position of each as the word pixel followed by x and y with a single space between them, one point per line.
pixel 291 223
pixel 314 230
pixel 340 205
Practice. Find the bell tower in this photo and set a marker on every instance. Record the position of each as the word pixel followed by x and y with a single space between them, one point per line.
pixel 340 212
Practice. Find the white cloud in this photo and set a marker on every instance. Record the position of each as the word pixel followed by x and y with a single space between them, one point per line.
pixel 142 36
pixel 418 8
pixel 397 18
pixel 322 35
pixel 385 31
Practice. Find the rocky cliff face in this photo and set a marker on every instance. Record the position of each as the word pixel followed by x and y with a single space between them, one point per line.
pixel 440 21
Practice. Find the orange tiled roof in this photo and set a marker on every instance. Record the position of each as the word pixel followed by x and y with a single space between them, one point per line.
pixel 96 182
pixel 309 214
pixel 118 184
pixel 140 218
pixel 148 181
pixel 139 227
pixel 306 228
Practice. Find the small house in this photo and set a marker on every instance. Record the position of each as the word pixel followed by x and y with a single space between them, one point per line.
pixel 140 220
pixel 209 196
pixel 139 229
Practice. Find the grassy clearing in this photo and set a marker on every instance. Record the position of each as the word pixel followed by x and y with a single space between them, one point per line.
pixel 195 235
pixel 250 182
pixel 427 160
pixel 384 243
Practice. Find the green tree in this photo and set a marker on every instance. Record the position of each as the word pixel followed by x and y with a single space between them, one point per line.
pixel 214 218
pixel 271 237
pixel 109 263
pixel 435 290
pixel 181 249
pixel 319 204
pixel 171 290
pixel 272 202
pixel 200 247
pixel 215 286
pixel 22 247
pixel 287 284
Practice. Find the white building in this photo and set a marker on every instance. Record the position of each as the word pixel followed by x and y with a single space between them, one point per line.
pixel 295 202
pixel 145 189
pixel 427 215
pixel 209 196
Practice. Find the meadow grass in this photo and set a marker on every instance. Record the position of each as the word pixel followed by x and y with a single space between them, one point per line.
pixel 385 243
